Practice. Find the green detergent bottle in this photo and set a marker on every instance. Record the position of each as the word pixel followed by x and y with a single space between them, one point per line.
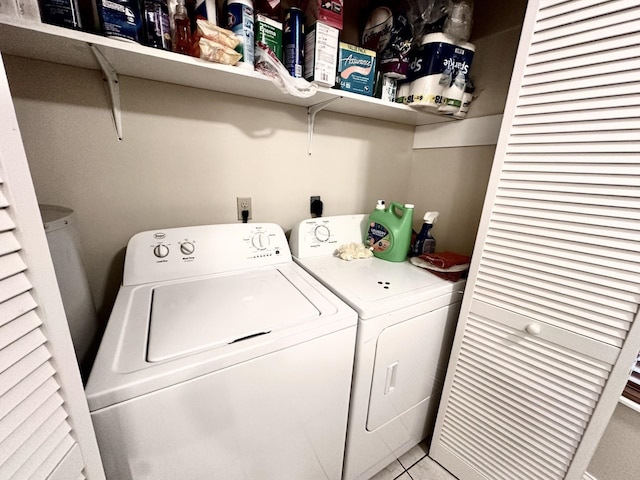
pixel 389 231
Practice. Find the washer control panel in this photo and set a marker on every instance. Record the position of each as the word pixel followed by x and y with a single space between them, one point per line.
pixel 174 253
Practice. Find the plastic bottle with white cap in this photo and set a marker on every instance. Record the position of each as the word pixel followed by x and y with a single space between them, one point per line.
pixel 389 231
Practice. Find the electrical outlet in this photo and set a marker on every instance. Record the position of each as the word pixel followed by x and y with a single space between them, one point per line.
pixel 315 206
pixel 244 203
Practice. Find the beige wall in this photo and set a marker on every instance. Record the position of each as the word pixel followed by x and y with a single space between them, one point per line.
pixel 186 155
pixel 452 181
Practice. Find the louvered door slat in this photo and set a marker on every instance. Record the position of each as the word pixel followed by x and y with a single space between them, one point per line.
pixel 578 11
pixel 27 343
pixel 608 66
pixel 595 27
pixel 620 47
pixel 8 243
pixel 541 413
pixel 17 416
pixel 515 430
pixel 13 286
pixel 62 450
pixel 27 364
pixel 586 126
pixel 623 250
pixel 551 83
pixel 6 222
pixel 23 438
pixel 544 281
pixel 26 387
pixel 18 328
pixel 49 445
pixel 629 112
pixel 561 250
pixel 581 81
pixel 518 164
pixel 625 291
pixel 15 307
pixel 28 451
pixel 576 137
pixel 547 105
pixel 10 264
pixel 570 159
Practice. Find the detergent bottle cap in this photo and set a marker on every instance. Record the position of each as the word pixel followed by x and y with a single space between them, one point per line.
pixel 409 205
pixel 380 205
pixel 430 217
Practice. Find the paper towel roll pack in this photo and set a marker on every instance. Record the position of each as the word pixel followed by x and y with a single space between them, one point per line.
pixel 438 74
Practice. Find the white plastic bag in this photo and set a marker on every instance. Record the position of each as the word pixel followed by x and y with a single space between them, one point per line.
pixel 268 64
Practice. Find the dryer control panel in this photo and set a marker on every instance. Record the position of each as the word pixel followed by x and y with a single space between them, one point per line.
pixel 323 235
pixel 173 253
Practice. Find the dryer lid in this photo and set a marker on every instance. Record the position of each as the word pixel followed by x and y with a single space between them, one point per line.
pixel 202 314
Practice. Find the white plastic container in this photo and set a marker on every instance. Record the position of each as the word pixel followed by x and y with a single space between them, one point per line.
pixel 64 245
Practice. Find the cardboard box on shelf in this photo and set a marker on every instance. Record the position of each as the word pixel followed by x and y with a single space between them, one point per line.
pixel 321 54
pixel 328 12
pixel 356 69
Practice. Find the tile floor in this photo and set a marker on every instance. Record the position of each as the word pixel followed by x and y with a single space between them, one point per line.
pixel 414 465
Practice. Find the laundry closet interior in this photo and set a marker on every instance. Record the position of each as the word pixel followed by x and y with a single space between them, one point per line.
pixel 193 139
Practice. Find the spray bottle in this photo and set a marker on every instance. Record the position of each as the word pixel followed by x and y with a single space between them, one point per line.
pixel 424 242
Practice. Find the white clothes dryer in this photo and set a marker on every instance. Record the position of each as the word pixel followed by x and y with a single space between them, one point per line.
pixel 222 359
pixel 407 318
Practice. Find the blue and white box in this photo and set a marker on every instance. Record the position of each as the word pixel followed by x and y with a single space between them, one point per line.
pixel 356 69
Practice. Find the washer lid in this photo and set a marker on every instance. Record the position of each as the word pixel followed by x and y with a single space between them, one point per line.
pixel 202 314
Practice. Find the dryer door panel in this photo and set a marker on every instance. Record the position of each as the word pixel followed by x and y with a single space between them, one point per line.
pixel 410 364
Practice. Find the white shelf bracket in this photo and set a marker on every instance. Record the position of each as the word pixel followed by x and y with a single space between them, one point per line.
pixel 111 77
pixel 312 111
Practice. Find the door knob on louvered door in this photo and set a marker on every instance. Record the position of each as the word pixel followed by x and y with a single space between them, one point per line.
pixel 533 329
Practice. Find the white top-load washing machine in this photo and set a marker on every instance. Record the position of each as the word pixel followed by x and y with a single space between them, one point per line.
pixel 222 359
pixel 407 318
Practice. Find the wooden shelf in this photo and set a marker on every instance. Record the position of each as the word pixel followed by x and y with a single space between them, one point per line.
pixel 69 47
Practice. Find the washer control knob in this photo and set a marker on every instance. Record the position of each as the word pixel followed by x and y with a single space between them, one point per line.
pixel 187 248
pixel 322 233
pixel 161 251
pixel 260 241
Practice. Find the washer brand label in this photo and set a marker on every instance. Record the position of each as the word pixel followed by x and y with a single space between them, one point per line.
pixel 378 237
pixel 159 235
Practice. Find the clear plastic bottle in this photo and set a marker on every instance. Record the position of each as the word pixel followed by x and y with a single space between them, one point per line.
pixel 182 40
pixel 425 243
pixel 460 20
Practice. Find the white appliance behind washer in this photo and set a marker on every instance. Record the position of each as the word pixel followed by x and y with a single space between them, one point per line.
pixel 407 318
pixel 222 359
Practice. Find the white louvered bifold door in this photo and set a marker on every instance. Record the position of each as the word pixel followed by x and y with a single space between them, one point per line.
pixel 38 423
pixel 554 287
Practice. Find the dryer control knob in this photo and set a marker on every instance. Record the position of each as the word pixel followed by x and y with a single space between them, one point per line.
pixel 187 248
pixel 161 251
pixel 322 233
pixel 260 241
